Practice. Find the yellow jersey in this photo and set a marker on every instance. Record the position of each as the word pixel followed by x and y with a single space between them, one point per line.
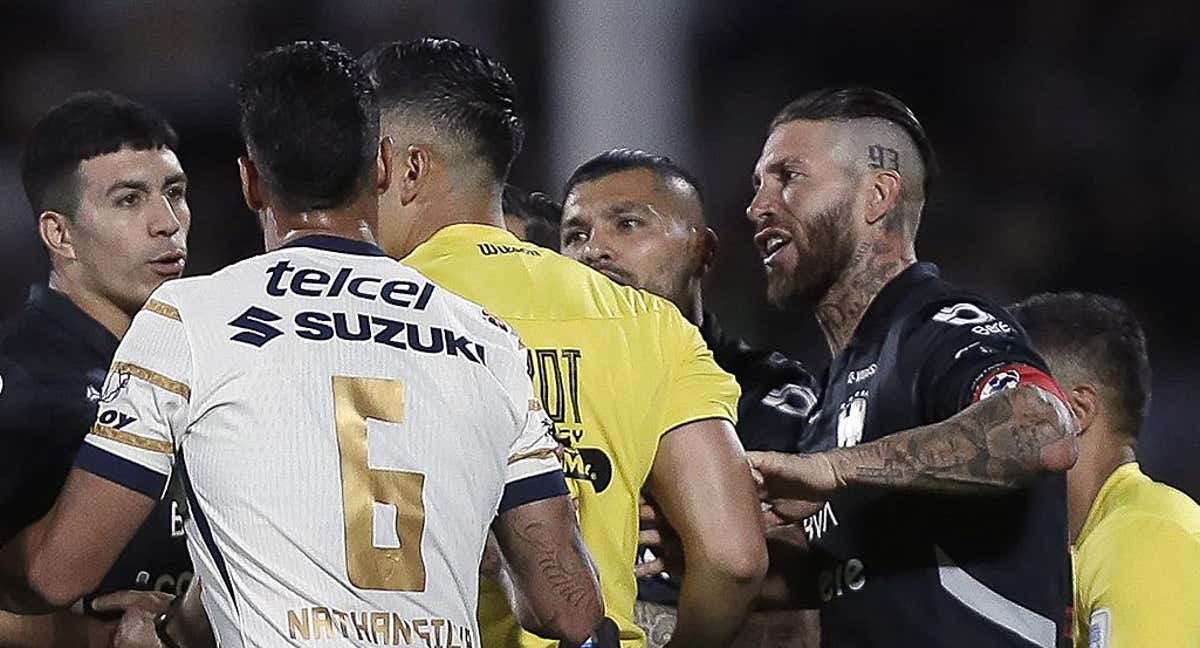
pixel 615 367
pixel 1137 566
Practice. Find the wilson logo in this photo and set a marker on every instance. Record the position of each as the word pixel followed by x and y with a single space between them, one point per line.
pixel 491 249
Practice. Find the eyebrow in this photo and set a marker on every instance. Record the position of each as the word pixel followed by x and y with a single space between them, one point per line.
pixel 127 184
pixel 140 185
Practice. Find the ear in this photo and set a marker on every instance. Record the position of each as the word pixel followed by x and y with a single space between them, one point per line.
pixel 252 191
pixel 1085 405
pixel 55 231
pixel 709 245
pixel 383 166
pixel 413 172
pixel 885 193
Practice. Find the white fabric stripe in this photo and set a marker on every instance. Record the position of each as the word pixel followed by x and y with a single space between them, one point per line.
pixel 1029 625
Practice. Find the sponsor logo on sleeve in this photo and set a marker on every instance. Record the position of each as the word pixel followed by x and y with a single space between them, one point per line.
pixel 968 314
pixel 999 382
pixel 791 399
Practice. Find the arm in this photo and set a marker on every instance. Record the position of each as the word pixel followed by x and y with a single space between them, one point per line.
pixel 1001 442
pixel 554 591
pixel 66 555
pixel 700 481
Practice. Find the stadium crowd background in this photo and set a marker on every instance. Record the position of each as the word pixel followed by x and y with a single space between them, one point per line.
pixel 1067 131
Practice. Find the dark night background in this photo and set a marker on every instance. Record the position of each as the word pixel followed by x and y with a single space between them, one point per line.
pixel 1067 130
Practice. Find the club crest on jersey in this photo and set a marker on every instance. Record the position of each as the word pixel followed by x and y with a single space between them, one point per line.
pixel 852 417
pixel 999 382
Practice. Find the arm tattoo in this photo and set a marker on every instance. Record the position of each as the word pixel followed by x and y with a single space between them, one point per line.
pixel 1001 442
pixel 883 157
pixel 568 578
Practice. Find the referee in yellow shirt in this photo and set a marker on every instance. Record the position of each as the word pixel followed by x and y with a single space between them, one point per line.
pixel 1136 542
pixel 632 388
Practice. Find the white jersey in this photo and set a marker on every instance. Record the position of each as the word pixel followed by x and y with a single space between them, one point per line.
pixel 346 432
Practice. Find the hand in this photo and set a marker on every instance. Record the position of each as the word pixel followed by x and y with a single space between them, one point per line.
pixel 780 476
pixel 656 534
pixel 140 608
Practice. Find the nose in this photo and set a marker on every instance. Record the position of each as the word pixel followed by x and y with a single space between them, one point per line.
pixel 760 207
pixel 596 250
pixel 167 220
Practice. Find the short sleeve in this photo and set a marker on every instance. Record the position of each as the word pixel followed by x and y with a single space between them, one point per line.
pixel 697 388
pixel 1148 592
pixel 144 403
pixel 968 350
pixel 533 471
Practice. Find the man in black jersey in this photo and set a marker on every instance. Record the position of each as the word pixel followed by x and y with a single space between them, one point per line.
pixel 639 219
pixel 941 441
pixel 109 197
pixel 531 216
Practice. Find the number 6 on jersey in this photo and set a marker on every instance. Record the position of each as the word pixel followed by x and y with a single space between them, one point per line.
pixel 370 566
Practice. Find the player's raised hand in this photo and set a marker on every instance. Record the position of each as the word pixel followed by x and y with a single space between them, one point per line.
pixel 781 476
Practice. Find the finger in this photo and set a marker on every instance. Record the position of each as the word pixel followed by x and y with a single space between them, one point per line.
pixel 136 630
pixel 795 509
pixel 118 601
pixel 650 538
pixel 652 568
pixel 648 516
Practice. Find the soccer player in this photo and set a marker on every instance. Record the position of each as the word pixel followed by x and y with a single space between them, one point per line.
pixel 639 219
pixel 531 217
pixel 109 195
pixel 941 441
pixel 346 430
pixel 1136 541
pixel 631 387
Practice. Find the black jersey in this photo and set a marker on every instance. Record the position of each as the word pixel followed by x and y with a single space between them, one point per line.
pixel 909 569
pixel 778 395
pixel 53 363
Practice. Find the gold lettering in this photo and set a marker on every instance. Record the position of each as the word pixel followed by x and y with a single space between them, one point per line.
pixel 298 625
pixel 341 619
pixel 400 626
pixel 322 623
pixel 419 628
pixel 380 627
pixel 362 629
pixel 437 625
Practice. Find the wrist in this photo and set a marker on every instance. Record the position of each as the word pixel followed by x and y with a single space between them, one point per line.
pixel 838 467
pixel 162 624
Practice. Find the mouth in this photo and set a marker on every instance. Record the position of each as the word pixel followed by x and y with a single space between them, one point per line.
pixel 169 264
pixel 770 241
pixel 616 274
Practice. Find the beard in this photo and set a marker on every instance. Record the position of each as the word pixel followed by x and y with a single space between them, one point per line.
pixel 828 247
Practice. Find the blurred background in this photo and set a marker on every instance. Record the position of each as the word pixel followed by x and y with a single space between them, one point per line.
pixel 1069 131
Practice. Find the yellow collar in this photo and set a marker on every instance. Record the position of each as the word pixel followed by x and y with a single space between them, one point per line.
pixel 1124 473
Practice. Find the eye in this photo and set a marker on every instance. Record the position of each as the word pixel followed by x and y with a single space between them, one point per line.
pixel 628 222
pixel 176 192
pixel 575 237
pixel 131 199
pixel 787 175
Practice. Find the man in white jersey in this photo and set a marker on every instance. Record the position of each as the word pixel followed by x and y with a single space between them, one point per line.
pixel 347 431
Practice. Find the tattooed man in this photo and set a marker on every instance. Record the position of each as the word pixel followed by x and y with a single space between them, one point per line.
pixel 941 440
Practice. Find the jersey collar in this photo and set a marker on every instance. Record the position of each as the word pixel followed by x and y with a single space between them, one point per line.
pixel 337 244
pixel 57 307
pixel 1100 506
pixel 476 233
pixel 880 313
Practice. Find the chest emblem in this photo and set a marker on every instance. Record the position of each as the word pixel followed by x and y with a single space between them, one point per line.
pixel 852 416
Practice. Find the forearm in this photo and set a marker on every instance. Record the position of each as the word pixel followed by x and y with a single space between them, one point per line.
pixel 713 606
pixel 1002 442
